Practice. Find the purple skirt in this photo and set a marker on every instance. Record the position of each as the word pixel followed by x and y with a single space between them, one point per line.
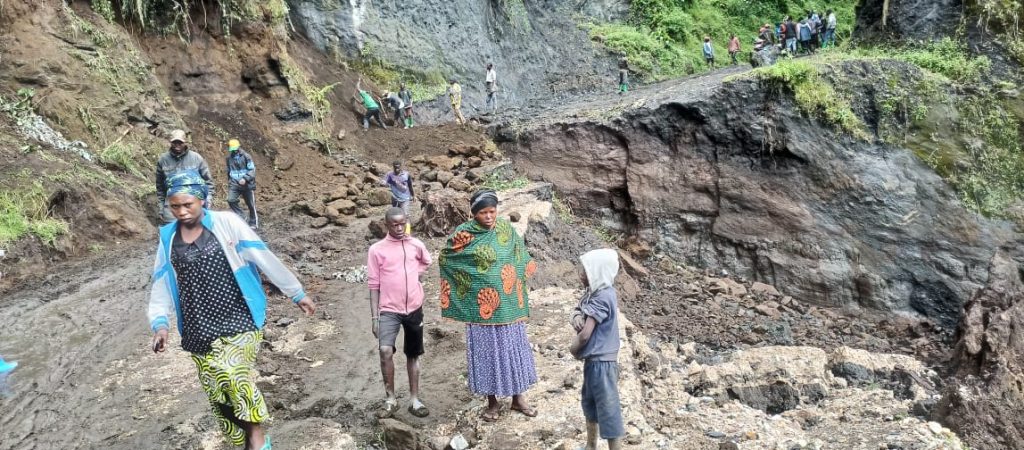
pixel 500 359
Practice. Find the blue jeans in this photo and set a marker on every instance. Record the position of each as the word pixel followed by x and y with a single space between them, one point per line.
pixel 830 37
pixel 791 45
pixel 601 398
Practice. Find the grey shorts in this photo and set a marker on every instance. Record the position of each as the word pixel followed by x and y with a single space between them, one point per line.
pixel 411 323
pixel 600 398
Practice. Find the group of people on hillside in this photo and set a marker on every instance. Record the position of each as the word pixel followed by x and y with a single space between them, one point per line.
pixel 811 32
pixel 401 102
pixel 207 274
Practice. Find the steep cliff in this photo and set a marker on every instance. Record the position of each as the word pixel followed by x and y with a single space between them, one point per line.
pixel 538 48
pixel 734 176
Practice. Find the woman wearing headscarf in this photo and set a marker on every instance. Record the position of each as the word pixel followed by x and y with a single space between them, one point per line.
pixel 206 274
pixel 484 267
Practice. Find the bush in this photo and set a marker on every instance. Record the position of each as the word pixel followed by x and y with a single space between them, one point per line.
pixel 172 16
pixel 647 55
pixel 948 58
pixel 814 95
pixel 120 156
pixel 26 212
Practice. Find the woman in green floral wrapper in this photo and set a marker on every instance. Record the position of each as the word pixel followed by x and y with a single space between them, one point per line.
pixel 484 267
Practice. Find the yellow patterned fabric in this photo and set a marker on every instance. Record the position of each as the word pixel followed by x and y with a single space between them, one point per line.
pixel 228 375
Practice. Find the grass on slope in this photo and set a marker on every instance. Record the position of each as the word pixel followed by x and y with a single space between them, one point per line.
pixel 25 212
pixel 971 137
pixel 662 38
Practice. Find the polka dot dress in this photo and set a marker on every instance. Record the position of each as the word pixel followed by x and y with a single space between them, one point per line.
pixel 212 305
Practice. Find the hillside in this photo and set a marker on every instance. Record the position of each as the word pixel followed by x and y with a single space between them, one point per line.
pixel 817 254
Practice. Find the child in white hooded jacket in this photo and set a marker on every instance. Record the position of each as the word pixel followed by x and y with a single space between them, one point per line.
pixel 597 344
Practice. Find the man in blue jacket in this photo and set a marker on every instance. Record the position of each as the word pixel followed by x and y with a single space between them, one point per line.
pixel 242 182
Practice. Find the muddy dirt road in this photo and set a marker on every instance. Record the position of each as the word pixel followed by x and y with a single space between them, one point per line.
pixel 88 380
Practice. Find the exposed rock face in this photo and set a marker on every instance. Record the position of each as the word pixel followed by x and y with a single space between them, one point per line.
pixel 908 19
pixel 537 48
pixel 984 406
pixel 733 176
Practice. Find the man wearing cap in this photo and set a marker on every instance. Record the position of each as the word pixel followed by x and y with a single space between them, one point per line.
pixel 179 159
pixel 242 182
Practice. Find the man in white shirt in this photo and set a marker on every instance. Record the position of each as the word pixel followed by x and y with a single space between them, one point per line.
pixel 830 30
pixel 492 88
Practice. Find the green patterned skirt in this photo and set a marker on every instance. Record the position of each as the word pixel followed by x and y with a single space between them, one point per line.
pixel 228 375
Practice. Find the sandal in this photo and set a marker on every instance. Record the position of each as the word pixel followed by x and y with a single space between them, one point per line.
pixel 490 416
pixel 528 411
pixel 266 443
pixel 422 411
pixel 388 410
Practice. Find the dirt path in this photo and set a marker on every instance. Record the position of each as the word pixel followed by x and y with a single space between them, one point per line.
pixel 607 105
pixel 88 380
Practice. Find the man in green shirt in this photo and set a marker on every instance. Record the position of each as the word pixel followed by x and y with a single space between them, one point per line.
pixel 371 104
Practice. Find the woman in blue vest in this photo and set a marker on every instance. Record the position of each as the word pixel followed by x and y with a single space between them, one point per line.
pixel 206 274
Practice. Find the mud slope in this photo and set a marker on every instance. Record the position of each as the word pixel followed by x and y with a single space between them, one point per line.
pixel 731 176
pixel 88 380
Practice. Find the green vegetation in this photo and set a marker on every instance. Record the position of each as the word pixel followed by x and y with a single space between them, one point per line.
pixel 120 156
pixel 26 212
pixel 20 107
pixel 116 64
pixel 425 86
pixel 318 136
pixel 174 16
pixel 316 97
pixel 562 209
pixel 515 11
pixel 814 95
pixel 946 57
pixel 1003 19
pixel 500 183
pixel 662 38
pixel 989 175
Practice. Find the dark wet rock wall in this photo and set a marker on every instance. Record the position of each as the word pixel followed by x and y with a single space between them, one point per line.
pixel 734 177
pixel 539 49
pixel 908 20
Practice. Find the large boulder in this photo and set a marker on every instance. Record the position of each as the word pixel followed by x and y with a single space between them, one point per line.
pixel 379 197
pixel 400 435
pixel 764 57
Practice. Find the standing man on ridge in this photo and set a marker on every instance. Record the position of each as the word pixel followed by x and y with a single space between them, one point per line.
pixel 242 182
pixel 491 82
pixel 455 96
pixel 406 97
pixel 179 159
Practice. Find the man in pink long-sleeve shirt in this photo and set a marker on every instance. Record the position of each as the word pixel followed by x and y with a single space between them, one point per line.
pixel 394 266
